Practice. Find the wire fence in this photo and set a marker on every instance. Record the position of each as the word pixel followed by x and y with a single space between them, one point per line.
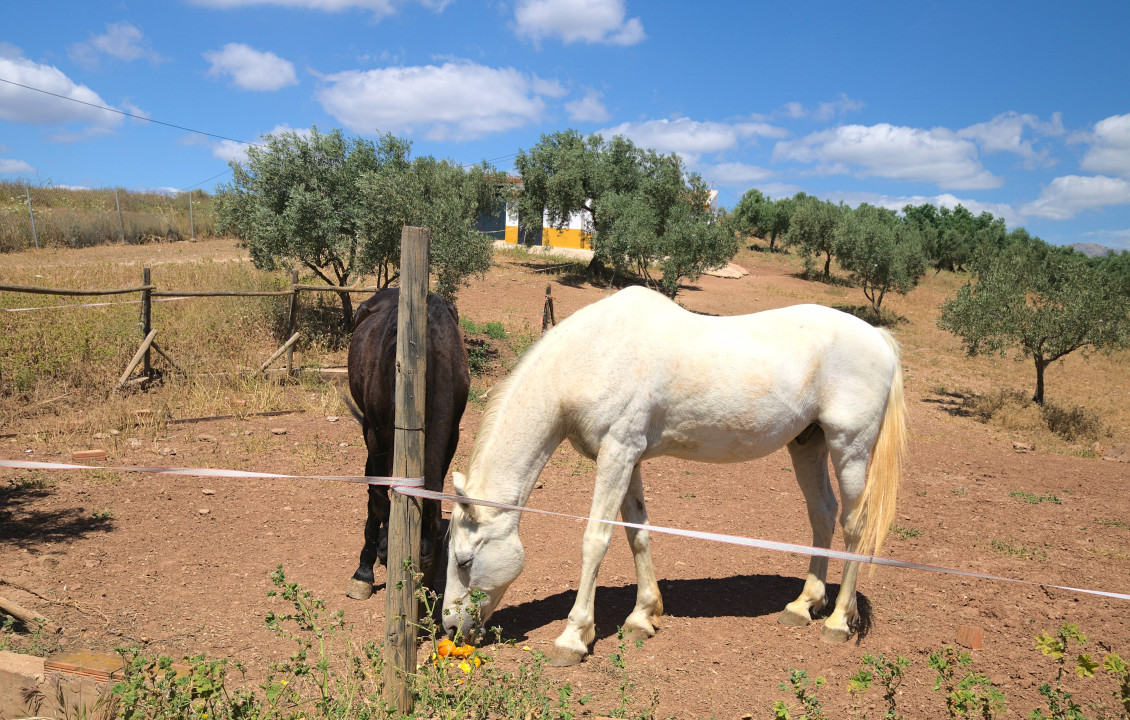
pixel 57 217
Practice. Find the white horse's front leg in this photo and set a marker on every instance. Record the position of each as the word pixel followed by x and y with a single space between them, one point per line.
pixel 649 603
pixel 613 472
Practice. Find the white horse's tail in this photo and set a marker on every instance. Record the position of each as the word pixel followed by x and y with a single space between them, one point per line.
pixel 880 495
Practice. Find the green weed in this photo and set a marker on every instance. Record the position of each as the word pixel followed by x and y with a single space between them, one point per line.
pixel 968 693
pixel 804 693
pixel 1032 499
pixel 1021 550
pixel 887 673
pixel 905 533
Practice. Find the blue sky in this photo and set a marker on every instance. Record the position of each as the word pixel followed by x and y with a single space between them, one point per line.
pixel 1021 109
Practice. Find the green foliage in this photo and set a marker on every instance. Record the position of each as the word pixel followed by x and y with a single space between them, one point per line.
pixel 620 660
pixel 882 252
pixel 804 692
pixel 1033 499
pixel 814 228
pixel 1022 550
pixel 905 533
pixel 331 677
pixel 968 693
pixel 757 215
pixel 952 238
pixel 1116 666
pixel 1041 302
pixel 337 205
pixel 1117 267
pixel 644 209
pixel 888 673
pixel 1060 706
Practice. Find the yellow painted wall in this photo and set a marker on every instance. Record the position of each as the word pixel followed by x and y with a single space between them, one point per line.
pixel 567 238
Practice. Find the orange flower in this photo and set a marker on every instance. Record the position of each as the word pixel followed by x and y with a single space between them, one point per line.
pixel 446 647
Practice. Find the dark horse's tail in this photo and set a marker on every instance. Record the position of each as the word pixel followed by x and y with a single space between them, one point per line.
pixel 353 409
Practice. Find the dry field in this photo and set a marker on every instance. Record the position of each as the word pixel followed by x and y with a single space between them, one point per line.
pixel 134 559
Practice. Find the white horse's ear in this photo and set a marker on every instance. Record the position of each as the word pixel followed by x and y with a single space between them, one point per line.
pixel 459 482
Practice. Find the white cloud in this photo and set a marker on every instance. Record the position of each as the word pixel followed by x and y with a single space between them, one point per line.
pixel 142 115
pixel 1069 195
pixel 736 173
pixel 379 8
pixel 123 41
pixel 14 167
pixel 1005 133
pixel 251 69
pixel 590 21
pixel 902 153
pixel 824 111
pixel 228 150
pixel 1110 146
pixel 590 108
pixel 691 138
pixel 21 105
pixel 453 101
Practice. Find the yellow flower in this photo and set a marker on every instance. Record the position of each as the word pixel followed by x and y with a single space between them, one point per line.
pixel 465 666
pixel 526 648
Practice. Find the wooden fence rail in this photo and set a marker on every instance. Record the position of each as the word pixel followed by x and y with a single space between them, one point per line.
pixel 149 291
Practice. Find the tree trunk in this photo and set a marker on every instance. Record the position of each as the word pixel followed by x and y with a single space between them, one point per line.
pixel 1038 398
pixel 346 309
pixel 828 267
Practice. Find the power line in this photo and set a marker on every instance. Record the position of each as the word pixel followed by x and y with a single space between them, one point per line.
pixel 225 172
pixel 127 114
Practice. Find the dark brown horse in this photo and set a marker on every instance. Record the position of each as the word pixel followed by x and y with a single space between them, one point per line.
pixel 372 383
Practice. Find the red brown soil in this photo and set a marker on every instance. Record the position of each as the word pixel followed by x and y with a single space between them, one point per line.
pixel 163 574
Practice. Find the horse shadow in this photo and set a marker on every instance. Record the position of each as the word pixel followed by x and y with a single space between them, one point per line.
pixel 24 526
pixel 746 596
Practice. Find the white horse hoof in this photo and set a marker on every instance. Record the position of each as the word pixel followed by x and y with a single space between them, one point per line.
pixel 565 657
pixel 792 618
pixel 644 627
pixel 359 589
pixel 834 636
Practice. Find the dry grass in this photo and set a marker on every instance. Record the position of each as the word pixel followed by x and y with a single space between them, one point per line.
pixel 82 218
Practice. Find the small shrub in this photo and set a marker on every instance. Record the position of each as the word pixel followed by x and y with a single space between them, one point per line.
pixel 1073 424
pixel 905 533
pixel 1015 410
pixel 968 693
pixel 1032 499
pixel 1022 550
pixel 1058 700
pixel 804 691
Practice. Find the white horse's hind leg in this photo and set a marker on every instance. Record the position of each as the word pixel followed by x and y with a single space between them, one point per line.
pixel 851 470
pixel 613 472
pixel 810 461
pixel 649 603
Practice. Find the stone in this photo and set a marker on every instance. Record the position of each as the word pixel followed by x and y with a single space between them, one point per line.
pixel 278 431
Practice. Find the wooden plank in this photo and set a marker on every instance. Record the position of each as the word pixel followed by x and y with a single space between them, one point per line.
pixel 283 348
pixel 28 617
pixel 402 608
pixel 88 455
pixel 137 357
pixel 218 293
pixel 36 290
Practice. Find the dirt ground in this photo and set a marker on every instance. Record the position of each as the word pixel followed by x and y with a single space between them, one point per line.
pixel 180 565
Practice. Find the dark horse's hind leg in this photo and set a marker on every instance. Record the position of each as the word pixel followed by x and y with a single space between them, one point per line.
pixel 376 540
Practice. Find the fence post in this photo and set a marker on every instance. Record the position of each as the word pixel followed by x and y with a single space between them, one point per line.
pixel 292 319
pixel 547 318
pixel 402 607
pixel 191 225
pixel 146 315
pixel 122 238
pixel 31 215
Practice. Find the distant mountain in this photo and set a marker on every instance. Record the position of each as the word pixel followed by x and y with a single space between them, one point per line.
pixel 1091 249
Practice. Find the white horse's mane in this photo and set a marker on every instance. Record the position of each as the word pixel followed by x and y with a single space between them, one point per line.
pixel 499 394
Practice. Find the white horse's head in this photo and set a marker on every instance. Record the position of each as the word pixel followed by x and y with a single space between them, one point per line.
pixel 485 554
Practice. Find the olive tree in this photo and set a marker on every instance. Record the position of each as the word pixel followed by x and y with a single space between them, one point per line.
pixel 882 252
pixel 336 205
pixel 814 228
pixel 757 215
pixel 644 209
pixel 1041 302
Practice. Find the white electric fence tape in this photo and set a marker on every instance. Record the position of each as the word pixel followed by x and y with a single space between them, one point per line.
pixel 414 487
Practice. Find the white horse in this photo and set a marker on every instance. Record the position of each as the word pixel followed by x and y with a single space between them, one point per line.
pixel 635 376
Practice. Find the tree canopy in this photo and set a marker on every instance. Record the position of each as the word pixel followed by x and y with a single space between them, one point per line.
pixel 757 215
pixel 1043 302
pixel 882 251
pixel 814 228
pixel 337 204
pixel 643 207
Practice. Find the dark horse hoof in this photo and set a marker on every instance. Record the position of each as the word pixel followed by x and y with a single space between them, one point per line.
pixel 359 589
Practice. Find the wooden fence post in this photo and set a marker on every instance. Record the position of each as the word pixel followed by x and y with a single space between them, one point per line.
pixel 547 318
pixel 402 608
pixel 30 214
pixel 146 313
pixel 191 225
pixel 122 239
pixel 291 320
